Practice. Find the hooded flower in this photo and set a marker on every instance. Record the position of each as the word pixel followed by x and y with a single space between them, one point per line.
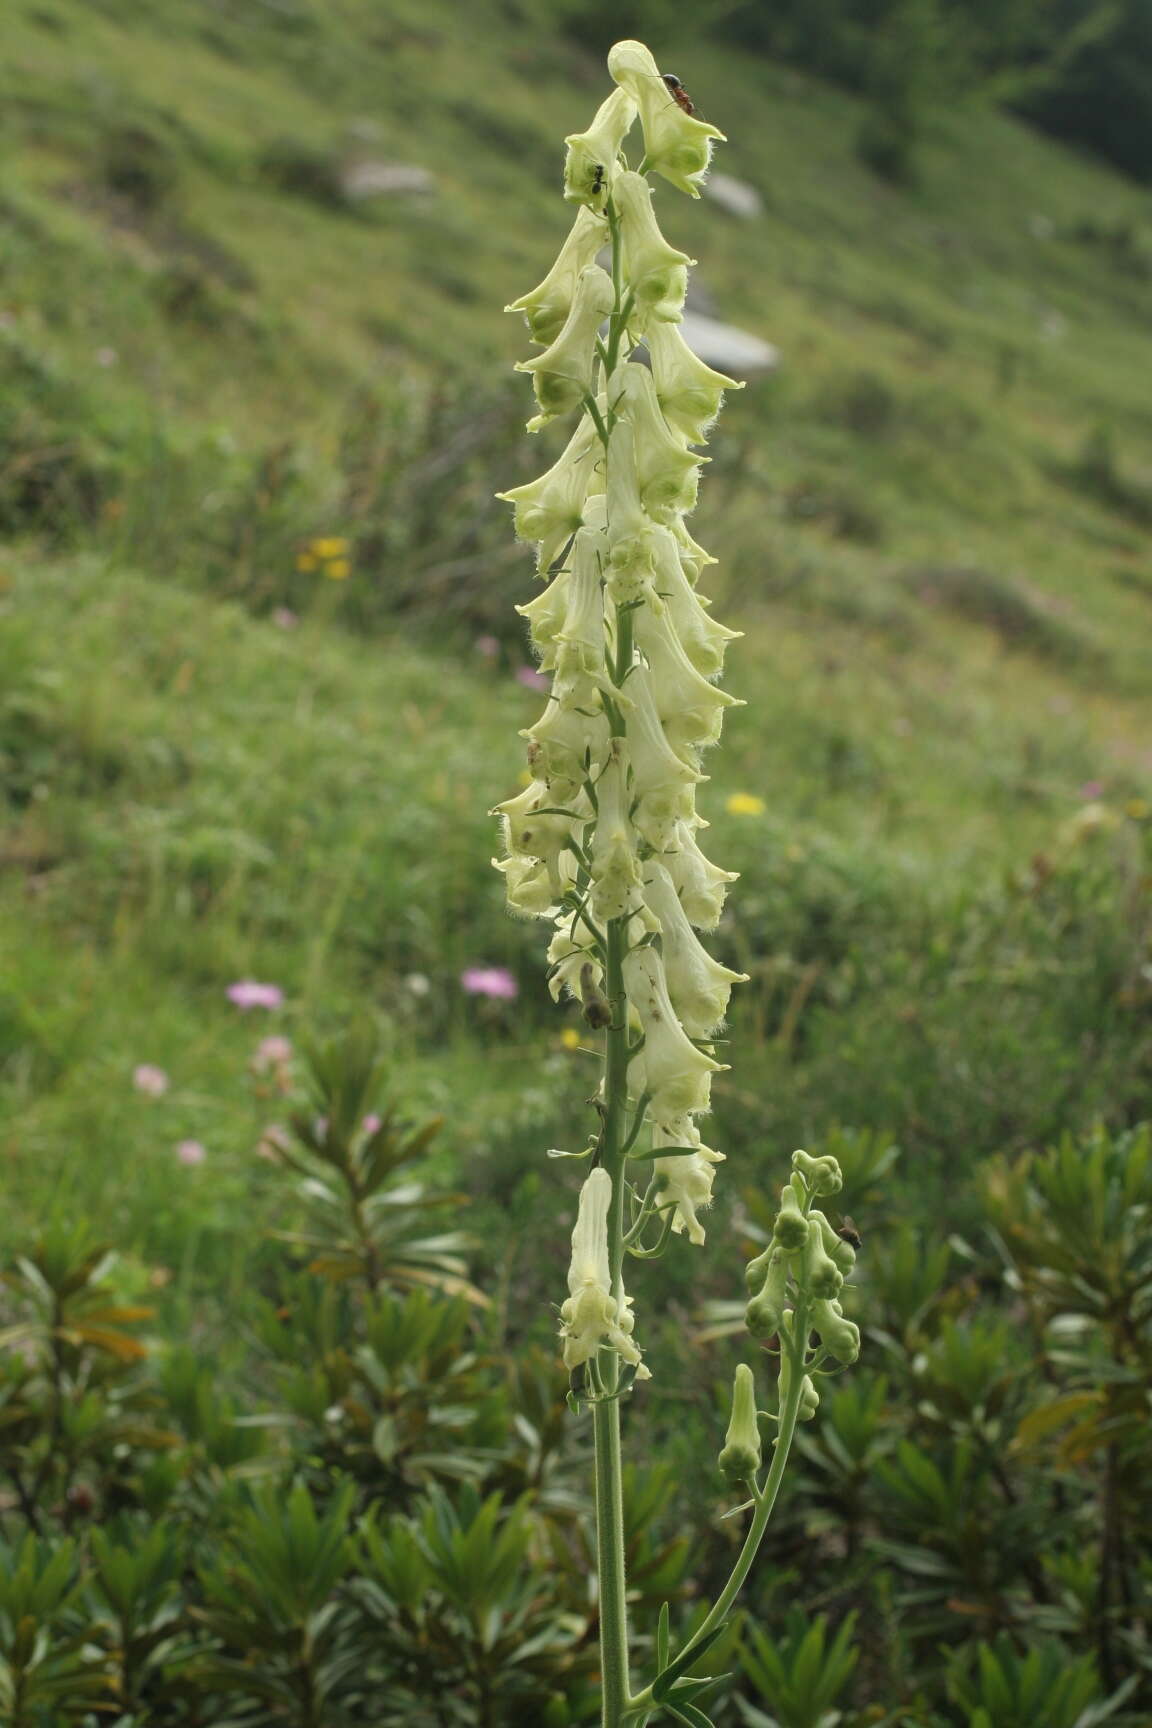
pixel 700 884
pixel 593 1315
pixel 691 709
pixel 698 985
pixel 703 640
pixel 551 508
pixel 546 308
pixel 676 145
pixel 562 375
pixel 590 166
pixel 668 473
pixel 615 887
pixel 676 1075
pixel 656 273
pixel 686 1180
pixel 688 391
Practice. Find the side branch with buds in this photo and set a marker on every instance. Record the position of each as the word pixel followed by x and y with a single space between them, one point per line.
pixel 602 841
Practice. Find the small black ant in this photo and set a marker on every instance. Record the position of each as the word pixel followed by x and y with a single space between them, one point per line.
pixel 597 179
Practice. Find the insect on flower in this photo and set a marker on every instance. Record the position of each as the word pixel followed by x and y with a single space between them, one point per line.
pixel 597 180
pixel 678 93
pixel 847 1232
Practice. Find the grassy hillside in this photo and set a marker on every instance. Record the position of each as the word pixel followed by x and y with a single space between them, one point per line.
pixel 936 532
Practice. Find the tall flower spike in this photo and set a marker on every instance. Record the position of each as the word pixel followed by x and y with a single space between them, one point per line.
pixel 676 145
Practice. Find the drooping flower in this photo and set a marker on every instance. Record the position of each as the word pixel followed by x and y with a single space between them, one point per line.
pixel 677 145
pixel 546 308
pixel 594 1314
pixel 590 165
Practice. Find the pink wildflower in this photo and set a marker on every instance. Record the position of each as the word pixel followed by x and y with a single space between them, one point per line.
pixel 494 981
pixel 1091 790
pixel 149 1079
pixel 487 646
pixel 284 618
pixel 272 1053
pixel 191 1153
pixel 370 1125
pixel 531 679
pixel 248 994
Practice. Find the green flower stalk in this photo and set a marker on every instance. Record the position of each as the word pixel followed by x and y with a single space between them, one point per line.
pixel 602 842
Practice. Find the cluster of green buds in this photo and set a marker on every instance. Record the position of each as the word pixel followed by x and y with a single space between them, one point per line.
pixel 602 841
pixel 794 1290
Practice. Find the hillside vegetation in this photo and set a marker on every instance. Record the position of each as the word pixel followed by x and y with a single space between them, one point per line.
pixel 935 526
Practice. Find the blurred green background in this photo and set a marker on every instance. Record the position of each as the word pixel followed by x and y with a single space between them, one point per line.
pixel 261 678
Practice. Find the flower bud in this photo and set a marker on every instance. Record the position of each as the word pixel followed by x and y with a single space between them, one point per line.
pixel 688 391
pixel 698 985
pixel 791 1230
pixel 676 1075
pixel 590 166
pixel 817 1273
pixel 809 1397
pixel 656 273
pixel 546 308
pixel 822 1175
pixel 676 145
pixel 740 1458
pixel 840 1337
pixel 835 1246
pixel 764 1314
pixel 562 375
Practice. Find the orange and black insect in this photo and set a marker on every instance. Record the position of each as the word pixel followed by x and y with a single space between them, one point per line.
pixel 678 93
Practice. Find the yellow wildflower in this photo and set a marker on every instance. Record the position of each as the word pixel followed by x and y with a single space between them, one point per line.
pixel 745 804
pixel 1138 809
pixel 570 1038
pixel 335 546
pixel 306 561
pixel 337 569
